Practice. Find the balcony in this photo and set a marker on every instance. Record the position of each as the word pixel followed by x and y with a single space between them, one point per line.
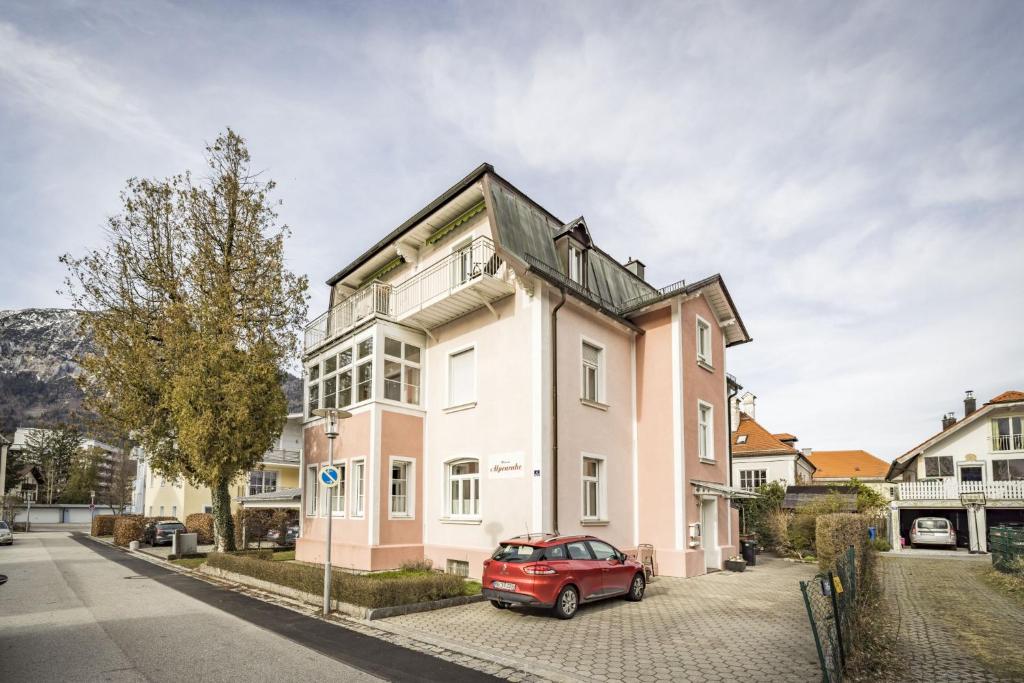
pixel 463 281
pixel 950 489
pixel 280 457
pixel 1007 442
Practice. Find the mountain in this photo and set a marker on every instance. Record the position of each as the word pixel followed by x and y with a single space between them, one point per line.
pixel 38 347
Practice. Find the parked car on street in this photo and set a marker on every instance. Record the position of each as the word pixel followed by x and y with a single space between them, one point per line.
pixel 6 535
pixel 161 533
pixel 932 531
pixel 560 573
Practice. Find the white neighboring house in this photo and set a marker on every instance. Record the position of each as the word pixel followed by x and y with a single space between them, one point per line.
pixel 971 472
pixel 760 457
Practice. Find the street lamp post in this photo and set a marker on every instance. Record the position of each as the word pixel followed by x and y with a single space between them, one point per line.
pixel 92 506
pixel 332 425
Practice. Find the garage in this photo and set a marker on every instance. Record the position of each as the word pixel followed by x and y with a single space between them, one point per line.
pixel 78 515
pixel 41 515
pixel 958 518
pixel 1001 516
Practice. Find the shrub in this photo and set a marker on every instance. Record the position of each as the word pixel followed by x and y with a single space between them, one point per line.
pixel 128 529
pixel 881 545
pixel 256 523
pixel 103 525
pixel 423 565
pixel 365 590
pixel 200 524
pixel 759 513
pixel 837 531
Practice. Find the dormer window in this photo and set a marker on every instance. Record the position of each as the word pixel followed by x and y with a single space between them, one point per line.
pixel 576 264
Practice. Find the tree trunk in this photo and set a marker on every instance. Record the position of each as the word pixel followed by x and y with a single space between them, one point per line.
pixel 223 523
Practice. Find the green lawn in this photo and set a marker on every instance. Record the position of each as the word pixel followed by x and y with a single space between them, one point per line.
pixel 284 555
pixel 189 562
pixel 472 587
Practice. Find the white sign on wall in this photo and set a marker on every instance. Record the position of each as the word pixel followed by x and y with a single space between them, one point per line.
pixel 506 466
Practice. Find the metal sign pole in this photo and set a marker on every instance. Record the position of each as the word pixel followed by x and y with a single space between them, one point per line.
pixel 330 516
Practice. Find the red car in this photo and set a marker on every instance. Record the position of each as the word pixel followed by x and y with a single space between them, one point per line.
pixel 560 572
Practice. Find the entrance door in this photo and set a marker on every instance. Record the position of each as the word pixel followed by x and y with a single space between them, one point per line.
pixel 709 532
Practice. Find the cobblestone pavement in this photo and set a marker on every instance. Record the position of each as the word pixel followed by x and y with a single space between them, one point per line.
pixel 953 627
pixel 719 627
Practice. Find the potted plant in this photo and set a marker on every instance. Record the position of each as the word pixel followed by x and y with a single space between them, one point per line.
pixel 736 563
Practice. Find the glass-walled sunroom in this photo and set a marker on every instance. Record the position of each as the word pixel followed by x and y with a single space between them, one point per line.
pixel 383 363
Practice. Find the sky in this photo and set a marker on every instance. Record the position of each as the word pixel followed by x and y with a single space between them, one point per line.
pixel 854 170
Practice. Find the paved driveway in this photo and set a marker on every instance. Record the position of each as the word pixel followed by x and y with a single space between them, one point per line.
pixel 953 627
pixel 720 627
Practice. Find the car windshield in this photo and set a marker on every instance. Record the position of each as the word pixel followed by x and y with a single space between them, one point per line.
pixel 3 525
pixel 516 552
pixel 932 524
pixel 170 525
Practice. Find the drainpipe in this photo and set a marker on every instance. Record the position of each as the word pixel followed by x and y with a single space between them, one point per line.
pixel 734 388
pixel 554 411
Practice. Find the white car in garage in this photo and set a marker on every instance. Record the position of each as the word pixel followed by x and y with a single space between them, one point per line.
pixel 932 531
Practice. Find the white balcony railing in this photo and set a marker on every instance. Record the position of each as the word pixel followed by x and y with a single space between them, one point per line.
pixel 475 262
pixel 950 489
pixel 281 457
pixel 1008 442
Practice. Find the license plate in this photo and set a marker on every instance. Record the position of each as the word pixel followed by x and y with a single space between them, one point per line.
pixel 504 586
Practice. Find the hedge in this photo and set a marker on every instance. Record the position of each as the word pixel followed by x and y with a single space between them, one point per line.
pixel 364 590
pixel 835 532
pixel 201 524
pixel 103 525
pixel 128 529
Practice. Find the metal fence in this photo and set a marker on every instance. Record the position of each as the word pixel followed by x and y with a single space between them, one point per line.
pixel 830 598
pixel 1006 543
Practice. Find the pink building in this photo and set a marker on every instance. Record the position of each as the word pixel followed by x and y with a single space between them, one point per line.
pixel 507 376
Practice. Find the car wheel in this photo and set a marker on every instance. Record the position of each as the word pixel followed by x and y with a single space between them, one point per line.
pixel 567 603
pixel 498 604
pixel 636 588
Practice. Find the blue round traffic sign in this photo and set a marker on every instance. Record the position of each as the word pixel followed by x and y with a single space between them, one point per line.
pixel 329 476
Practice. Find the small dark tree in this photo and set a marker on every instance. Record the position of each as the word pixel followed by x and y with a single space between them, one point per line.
pixel 53 450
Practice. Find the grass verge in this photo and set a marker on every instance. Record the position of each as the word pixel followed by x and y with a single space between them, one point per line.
pixel 189 562
pixel 1010 585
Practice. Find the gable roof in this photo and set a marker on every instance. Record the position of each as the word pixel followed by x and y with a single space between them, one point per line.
pixel 900 464
pixel 759 440
pixel 847 465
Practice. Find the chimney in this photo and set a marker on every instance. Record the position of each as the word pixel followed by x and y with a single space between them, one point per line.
pixel 970 404
pixel 734 410
pixel 747 403
pixel 636 267
pixel 948 420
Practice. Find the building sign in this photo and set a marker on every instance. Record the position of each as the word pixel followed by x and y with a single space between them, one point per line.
pixel 506 466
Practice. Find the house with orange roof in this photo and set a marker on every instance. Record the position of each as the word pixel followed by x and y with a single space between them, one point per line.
pixel 971 472
pixel 842 466
pixel 759 456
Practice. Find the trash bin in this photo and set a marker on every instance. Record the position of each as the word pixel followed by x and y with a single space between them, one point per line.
pixel 872 533
pixel 749 551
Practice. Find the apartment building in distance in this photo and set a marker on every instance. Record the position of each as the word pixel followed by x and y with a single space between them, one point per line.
pixel 506 375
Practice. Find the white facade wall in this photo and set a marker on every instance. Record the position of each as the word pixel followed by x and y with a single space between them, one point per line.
pixel 970 445
pixel 780 468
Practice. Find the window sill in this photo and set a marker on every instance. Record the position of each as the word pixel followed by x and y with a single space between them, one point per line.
pixel 709 461
pixel 706 365
pixel 401 518
pixel 594 404
pixel 594 522
pixel 460 407
pixel 456 520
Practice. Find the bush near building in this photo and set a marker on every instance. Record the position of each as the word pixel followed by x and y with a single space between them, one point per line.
pixel 103 525
pixel 366 590
pixel 200 524
pixel 128 529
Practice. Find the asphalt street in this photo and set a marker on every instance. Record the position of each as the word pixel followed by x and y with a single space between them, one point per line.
pixel 73 609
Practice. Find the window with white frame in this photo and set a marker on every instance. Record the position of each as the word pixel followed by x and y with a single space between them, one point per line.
pixel 401 371
pixel 462 377
pixel 592 498
pixel 703 341
pixel 576 265
pixel 337 494
pixel 751 479
pixel 1008 470
pixel 464 488
pixel 359 488
pixel 364 370
pixel 262 481
pixel 401 502
pixel 336 388
pixel 1007 434
pixel 313 396
pixel 705 431
pixel 592 357
pixel 161 510
pixel 312 491
pixel 938 466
